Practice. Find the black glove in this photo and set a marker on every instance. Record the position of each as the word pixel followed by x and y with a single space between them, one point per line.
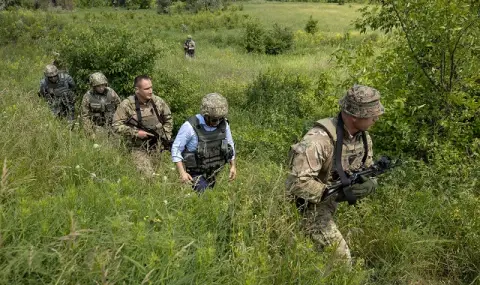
pixel 362 189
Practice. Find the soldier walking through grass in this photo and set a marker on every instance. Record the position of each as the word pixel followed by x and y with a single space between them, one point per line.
pixel 99 105
pixel 145 121
pixel 57 89
pixel 333 148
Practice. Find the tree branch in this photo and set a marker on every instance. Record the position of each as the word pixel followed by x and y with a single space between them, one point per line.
pixel 405 31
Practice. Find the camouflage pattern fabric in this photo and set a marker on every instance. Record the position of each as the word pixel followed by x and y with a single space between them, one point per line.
pixel 63 105
pixel 98 109
pixel 189 47
pixel 127 109
pixel 50 70
pixel 143 162
pixel 319 224
pixel 311 163
pixel 59 95
pixel 97 78
pixel 362 102
pixel 214 105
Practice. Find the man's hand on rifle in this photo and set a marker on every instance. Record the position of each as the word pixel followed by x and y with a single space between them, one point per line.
pixel 143 134
pixel 362 189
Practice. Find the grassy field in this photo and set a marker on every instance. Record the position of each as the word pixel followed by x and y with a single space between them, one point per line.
pixel 75 213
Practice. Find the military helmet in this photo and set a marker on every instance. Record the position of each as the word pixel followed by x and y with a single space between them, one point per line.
pixel 189 37
pixel 214 105
pixel 97 78
pixel 362 102
pixel 51 70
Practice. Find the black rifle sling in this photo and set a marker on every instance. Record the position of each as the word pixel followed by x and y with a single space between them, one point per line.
pixel 346 182
pixel 137 109
pixel 139 113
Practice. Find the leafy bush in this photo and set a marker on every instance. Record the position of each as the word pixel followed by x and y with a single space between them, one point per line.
pixel 179 92
pixel 253 37
pixel 196 6
pixel 281 106
pixel 163 6
pixel 425 74
pixel 278 40
pixel 311 26
pixel 23 26
pixel 275 41
pixel 119 54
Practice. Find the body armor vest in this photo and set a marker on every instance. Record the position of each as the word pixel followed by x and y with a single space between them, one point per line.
pixel 149 117
pixel 353 155
pixel 213 150
pixel 57 89
pixel 101 107
pixel 346 156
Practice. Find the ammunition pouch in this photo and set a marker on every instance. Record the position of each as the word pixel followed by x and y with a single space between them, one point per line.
pixel 97 107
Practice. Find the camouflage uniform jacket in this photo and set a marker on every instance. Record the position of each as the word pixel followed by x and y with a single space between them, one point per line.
pixel 47 88
pixel 312 160
pixel 189 45
pixel 98 109
pixel 149 119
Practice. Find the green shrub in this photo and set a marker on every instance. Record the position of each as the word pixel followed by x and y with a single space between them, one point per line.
pixel 163 6
pixel 281 106
pixel 196 6
pixel 253 37
pixel 427 84
pixel 180 93
pixel 278 40
pixel 311 26
pixel 119 54
pixel 24 26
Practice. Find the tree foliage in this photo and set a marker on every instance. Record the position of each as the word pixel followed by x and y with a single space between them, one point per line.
pixel 311 26
pixel 118 53
pixel 426 72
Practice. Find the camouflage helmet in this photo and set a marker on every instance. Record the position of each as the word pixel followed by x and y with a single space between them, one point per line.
pixel 97 78
pixel 362 102
pixel 214 105
pixel 51 70
pixel 189 37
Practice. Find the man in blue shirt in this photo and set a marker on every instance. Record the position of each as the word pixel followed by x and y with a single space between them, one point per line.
pixel 204 144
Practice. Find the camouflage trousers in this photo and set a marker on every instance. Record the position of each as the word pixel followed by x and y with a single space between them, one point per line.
pixel 143 161
pixel 319 224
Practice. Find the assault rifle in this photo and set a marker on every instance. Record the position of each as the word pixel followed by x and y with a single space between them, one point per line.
pixel 379 167
pixel 153 140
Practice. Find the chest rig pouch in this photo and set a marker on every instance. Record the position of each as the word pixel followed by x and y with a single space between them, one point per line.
pixel 213 150
pixel 101 108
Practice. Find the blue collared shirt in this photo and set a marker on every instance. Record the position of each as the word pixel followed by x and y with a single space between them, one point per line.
pixel 186 138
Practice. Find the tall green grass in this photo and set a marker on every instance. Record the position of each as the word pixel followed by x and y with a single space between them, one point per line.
pixel 75 211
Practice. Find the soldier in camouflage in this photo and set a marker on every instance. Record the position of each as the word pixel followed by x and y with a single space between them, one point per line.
pixel 204 144
pixel 150 111
pixel 189 47
pixel 313 165
pixel 57 89
pixel 99 105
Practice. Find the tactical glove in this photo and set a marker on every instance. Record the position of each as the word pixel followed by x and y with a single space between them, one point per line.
pixel 365 187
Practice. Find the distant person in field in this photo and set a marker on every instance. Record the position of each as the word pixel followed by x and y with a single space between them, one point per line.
pixel 145 121
pixel 189 47
pixel 57 89
pixel 204 144
pixel 99 105
pixel 333 148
